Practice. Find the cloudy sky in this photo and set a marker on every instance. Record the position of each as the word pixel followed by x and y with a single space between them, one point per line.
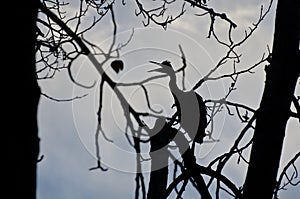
pixel 67 129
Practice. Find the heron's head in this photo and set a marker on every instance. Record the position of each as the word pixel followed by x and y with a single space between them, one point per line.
pixel 164 67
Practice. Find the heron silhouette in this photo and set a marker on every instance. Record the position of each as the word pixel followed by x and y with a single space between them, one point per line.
pixel 191 110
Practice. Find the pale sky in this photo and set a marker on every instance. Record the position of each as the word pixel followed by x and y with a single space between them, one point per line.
pixel 67 129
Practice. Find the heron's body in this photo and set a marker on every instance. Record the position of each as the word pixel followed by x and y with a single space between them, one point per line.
pixel 191 110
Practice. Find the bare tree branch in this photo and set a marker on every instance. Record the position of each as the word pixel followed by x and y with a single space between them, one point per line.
pixel 63 100
pixel 290 179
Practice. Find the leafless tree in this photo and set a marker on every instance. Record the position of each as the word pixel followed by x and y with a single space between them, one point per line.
pixel 61 41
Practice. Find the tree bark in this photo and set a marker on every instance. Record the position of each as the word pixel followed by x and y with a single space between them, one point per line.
pixel 22 99
pixel 274 111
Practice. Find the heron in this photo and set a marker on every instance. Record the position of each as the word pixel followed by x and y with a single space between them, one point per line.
pixel 191 110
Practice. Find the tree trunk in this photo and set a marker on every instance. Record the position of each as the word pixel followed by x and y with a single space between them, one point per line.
pixel 159 175
pixel 22 99
pixel 274 111
pixel 161 135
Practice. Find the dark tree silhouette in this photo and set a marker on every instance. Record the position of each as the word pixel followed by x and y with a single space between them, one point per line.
pixel 272 116
pixel 22 96
pixel 61 39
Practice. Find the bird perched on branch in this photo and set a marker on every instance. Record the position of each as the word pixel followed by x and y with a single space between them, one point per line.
pixel 191 110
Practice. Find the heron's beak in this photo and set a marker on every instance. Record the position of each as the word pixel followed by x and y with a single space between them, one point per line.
pixel 160 70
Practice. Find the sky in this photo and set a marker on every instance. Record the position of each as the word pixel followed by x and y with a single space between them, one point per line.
pixel 67 129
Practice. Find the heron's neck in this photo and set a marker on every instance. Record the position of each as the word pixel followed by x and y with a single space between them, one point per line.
pixel 173 86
